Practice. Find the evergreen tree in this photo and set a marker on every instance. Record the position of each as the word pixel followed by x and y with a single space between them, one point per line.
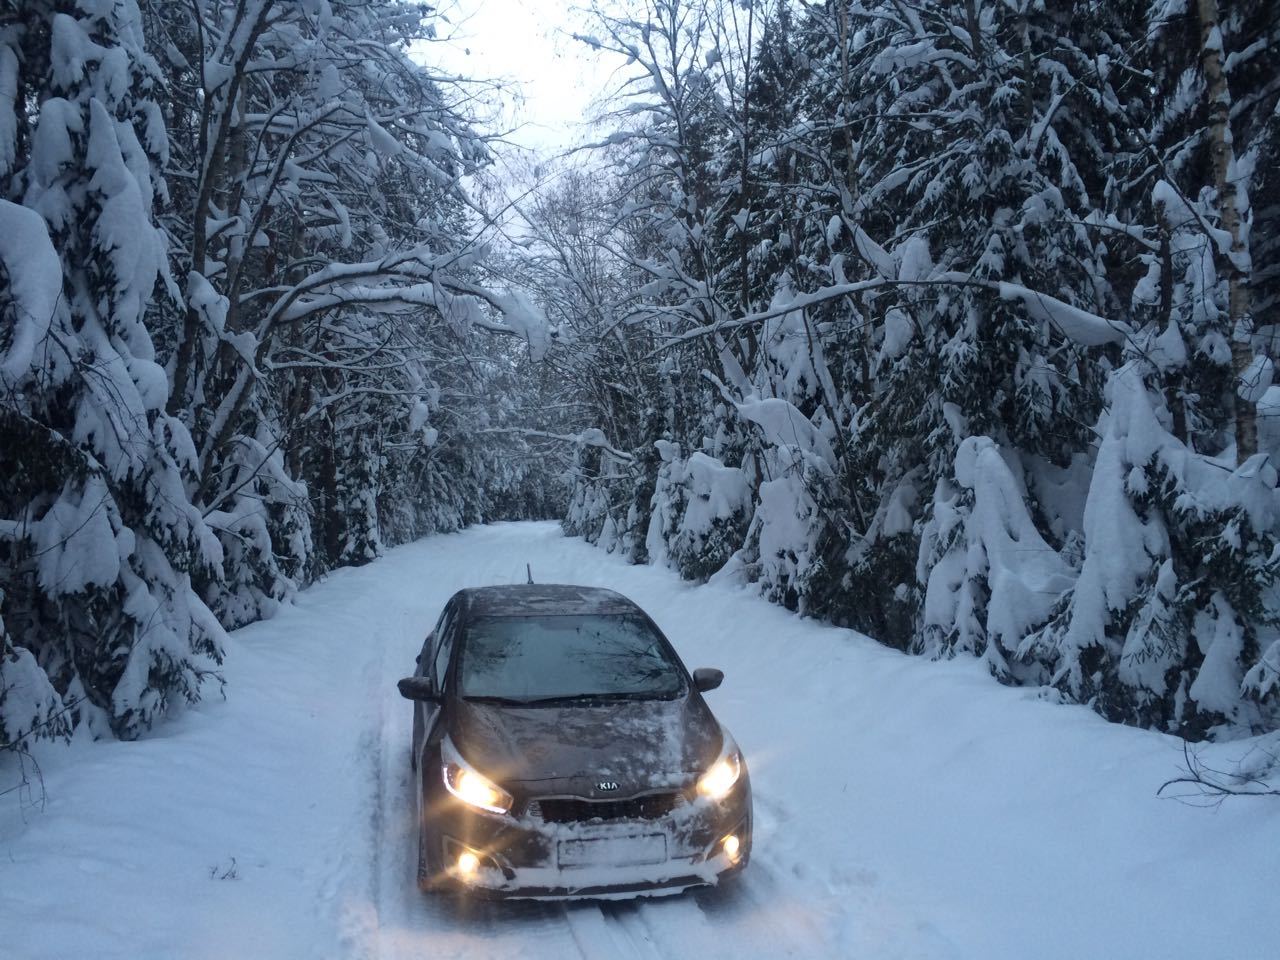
pixel 960 293
pixel 102 540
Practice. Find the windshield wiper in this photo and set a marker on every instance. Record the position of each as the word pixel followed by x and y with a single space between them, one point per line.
pixel 589 697
pixel 567 698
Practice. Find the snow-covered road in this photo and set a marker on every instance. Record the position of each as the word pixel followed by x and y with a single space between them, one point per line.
pixel 905 809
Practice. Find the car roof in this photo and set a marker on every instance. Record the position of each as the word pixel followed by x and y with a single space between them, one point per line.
pixel 531 599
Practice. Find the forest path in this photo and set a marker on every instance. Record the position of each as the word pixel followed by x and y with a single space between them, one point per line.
pixel 904 809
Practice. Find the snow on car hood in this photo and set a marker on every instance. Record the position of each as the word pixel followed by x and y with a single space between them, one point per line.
pixel 638 744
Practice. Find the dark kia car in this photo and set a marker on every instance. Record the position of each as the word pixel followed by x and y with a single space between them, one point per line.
pixel 563 750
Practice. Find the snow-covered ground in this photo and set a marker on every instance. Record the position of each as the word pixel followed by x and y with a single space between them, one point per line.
pixel 905 809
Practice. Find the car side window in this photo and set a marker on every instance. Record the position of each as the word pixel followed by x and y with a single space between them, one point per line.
pixel 444 646
pixel 426 656
pixel 423 659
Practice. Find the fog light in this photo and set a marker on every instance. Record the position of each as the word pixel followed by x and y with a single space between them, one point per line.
pixel 731 845
pixel 469 863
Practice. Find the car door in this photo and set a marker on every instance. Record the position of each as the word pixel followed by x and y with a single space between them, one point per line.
pixel 435 651
pixel 423 663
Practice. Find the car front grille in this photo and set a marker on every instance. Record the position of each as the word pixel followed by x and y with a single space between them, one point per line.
pixel 574 810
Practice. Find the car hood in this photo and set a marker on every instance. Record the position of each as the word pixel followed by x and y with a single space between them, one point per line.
pixel 637 744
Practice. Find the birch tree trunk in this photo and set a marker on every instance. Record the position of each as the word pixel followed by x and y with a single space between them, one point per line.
pixel 1234 219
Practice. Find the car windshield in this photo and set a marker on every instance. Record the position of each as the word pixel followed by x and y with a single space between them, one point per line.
pixel 547 658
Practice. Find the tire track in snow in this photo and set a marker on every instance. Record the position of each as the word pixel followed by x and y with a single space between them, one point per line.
pixel 693 936
pixel 594 936
pixel 778 883
pixel 360 880
pixel 377 815
pixel 628 917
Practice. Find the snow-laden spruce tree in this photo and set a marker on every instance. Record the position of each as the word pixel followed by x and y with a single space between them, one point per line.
pixel 701 510
pixel 976 137
pixel 991 577
pixel 1175 604
pixel 100 536
pixel 792 456
pixel 1174 619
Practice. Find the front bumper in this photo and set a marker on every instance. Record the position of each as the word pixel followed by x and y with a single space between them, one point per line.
pixel 524 857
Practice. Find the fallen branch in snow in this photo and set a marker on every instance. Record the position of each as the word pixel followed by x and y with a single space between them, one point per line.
pixel 1210 786
pixel 217 872
pixel 30 785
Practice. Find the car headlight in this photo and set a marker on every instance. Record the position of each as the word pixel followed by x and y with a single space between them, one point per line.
pixel 471 787
pixel 723 774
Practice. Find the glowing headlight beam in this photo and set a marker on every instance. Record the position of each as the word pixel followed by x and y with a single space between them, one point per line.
pixel 474 789
pixel 720 778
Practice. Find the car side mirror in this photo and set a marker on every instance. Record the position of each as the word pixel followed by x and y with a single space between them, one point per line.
pixel 707 678
pixel 418 688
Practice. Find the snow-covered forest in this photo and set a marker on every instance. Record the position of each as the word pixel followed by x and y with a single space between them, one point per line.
pixel 240 283
pixel 948 321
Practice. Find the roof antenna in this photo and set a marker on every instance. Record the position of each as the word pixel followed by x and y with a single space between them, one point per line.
pixel 529 570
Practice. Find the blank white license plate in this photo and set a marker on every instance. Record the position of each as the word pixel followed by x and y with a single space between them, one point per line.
pixel 613 851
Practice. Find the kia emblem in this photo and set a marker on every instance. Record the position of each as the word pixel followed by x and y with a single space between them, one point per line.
pixel 607 786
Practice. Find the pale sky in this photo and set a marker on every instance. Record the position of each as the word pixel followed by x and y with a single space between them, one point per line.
pixel 554 77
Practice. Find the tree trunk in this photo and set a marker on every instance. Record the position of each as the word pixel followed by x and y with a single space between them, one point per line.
pixel 1173 380
pixel 1230 198
pixel 973 25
